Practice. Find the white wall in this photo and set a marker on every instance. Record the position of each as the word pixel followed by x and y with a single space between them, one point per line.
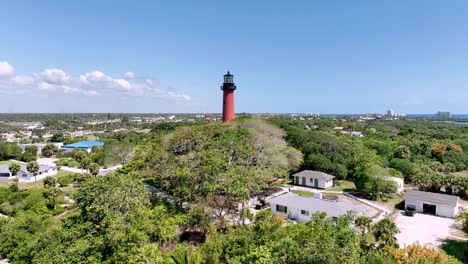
pixel 293 212
pixel 29 177
pixel 441 210
pixel 322 184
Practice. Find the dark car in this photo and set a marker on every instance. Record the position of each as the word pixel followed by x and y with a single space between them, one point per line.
pixel 410 210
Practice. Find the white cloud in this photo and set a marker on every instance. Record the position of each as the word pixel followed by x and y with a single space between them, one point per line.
pixel 23 80
pixel 94 83
pixel 129 75
pixel 55 76
pixel 6 70
pixel 102 81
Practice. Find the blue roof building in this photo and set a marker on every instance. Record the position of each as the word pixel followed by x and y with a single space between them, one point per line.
pixel 86 145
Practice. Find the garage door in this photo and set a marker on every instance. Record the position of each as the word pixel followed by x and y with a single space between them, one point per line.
pixel 429 209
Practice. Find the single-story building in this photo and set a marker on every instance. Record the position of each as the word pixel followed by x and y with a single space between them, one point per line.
pixel 24 175
pixel 85 145
pixel 302 208
pixel 433 203
pixel 315 179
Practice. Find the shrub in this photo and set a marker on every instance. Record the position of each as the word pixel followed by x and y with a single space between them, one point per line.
pixel 65 180
pixel 69 162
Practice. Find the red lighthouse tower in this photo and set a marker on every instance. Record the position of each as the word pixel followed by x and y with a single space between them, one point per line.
pixel 228 88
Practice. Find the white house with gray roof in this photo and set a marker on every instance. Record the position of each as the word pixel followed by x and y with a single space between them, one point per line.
pixel 24 175
pixel 302 208
pixel 433 203
pixel 314 179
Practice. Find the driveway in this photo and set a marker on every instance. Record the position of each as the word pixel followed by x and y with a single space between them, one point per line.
pixel 424 229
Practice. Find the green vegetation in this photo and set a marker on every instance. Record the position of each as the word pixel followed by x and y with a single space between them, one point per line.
pixel 457 249
pixel 199 174
pixel 49 150
pixel 10 150
pixel 233 160
pixel 343 185
pixel 425 153
pixel 304 193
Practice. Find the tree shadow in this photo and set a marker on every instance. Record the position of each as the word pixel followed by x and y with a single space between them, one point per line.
pixel 456 248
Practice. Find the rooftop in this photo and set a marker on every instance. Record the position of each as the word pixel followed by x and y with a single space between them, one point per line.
pixel 314 205
pixel 315 174
pixel 437 198
pixel 85 144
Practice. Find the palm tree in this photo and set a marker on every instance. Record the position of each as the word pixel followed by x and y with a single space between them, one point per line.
pixel 14 168
pixel 363 223
pixel 33 167
pixel 385 231
pixel 185 257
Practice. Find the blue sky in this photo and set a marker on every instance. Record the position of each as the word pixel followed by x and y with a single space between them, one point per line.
pixel 287 56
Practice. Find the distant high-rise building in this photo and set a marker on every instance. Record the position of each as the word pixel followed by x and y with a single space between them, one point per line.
pixel 391 113
pixel 228 88
pixel 443 115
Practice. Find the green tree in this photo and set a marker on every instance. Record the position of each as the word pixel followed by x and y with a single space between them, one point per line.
pixel 14 168
pixel 84 163
pixel 50 182
pixel 80 155
pixel 110 195
pixel 29 154
pixel 463 218
pixel 364 223
pixel 49 150
pixel 94 169
pixel 385 231
pixel 33 167
pixel 403 152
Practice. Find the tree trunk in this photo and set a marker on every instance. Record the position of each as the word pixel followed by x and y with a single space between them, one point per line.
pixel 243 213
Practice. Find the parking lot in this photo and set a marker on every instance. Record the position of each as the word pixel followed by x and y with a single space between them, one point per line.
pixel 424 229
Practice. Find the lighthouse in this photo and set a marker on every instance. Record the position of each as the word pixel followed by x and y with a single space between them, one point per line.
pixel 228 88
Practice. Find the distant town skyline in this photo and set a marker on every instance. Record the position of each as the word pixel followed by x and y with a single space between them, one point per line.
pixel 328 57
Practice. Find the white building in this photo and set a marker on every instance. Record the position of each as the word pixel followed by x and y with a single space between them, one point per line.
pixel 24 175
pixel 433 203
pixel 302 208
pixel 314 179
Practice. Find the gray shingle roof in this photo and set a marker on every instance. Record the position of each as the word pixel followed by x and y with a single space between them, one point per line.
pixel 432 198
pixel 313 205
pixel 315 174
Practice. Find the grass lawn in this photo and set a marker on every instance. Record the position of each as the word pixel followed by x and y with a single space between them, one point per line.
pixel 456 248
pixel 305 193
pixel 346 186
pixel 91 137
pixel 392 198
pixel 5 162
